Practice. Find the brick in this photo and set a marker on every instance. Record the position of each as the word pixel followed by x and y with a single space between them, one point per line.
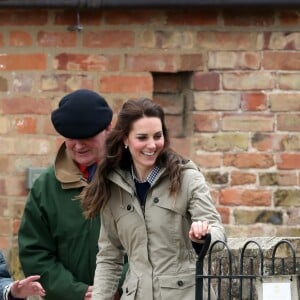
pixel 206 122
pixel 12 62
pixel 174 39
pixel 233 197
pixel 288 161
pixel 4 211
pixel 221 142
pixel 146 39
pixel 108 39
pixel 126 84
pixel 26 125
pixel 4 124
pixel 214 177
pixel 3 84
pixel 153 63
pixel 1 40
pixel 249 160
pixel 25 105
pixel 133 16
pixel 224 213
pixel 249 16
pixel 216 101
pixel 226 40
pixel 287 231
pixel 4 242
pixel 86 17
pixel 253 230
pixel 248 122
pixel 4 167
pixel 242 178
pixel 192 16
pixel 291 142
pixel 207 160
pixel 283 60
pixel 247 217
pixel 2 186
pixel 289 81
pixel 191 62
pixel 253 101
pixel 288 122
pixel 56 39
pixel 289 17
pixel 278 179
pixel 287 197
pixel 230 60
pixel 26 146
pixel 269 141
pixel 20 38
pixel 14 186
pixel 5 224
pixel 281 40
pixel 293 214
pixel 248 80
pixel 32 17
pixel 22 82
pixel 291 102
pixel 66 82
pixel 206 81
pixel 83 62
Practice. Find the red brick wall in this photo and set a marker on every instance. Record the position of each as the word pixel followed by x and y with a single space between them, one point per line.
pixel 236 115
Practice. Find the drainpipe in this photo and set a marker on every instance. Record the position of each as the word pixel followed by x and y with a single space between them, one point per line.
pixel 140 3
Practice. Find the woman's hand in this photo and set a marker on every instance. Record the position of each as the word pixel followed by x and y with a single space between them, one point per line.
pixel 27 287
pixel 198 230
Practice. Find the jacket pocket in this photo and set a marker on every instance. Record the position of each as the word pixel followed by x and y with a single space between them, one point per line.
pixel 179 286
pixel 130 288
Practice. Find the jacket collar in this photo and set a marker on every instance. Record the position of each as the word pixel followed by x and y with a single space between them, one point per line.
pixel 67 171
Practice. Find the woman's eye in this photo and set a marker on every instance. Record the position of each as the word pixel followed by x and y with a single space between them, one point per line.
pixel 141 138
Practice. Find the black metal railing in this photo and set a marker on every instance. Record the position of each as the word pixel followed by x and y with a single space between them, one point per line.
pixel 236 279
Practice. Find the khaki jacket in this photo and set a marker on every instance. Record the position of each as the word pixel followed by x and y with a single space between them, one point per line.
pixel 161 257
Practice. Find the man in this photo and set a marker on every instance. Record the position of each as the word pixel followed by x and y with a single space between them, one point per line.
pixel 19 289
pixel 55 240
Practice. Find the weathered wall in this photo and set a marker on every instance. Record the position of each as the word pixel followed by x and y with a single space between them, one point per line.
pixel 228 79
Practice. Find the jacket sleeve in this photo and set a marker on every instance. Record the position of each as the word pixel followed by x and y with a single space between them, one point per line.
pixel 5 278
pixel 201 207
pixel 37 251
pixel 110 259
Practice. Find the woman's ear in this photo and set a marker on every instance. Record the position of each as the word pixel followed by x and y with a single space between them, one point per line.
pixel 125 141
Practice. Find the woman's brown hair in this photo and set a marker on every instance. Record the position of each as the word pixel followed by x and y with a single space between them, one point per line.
pixel 96 195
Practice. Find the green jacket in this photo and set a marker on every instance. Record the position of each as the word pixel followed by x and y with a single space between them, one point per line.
pixel 55 240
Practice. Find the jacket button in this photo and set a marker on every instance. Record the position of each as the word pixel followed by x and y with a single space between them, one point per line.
pixel 180 283
pixel 127 290
pixel 128 207
pixel 156 200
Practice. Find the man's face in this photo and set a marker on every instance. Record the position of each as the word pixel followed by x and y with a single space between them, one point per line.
pixel 87 151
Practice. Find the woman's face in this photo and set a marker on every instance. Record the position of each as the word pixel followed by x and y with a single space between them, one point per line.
pixel 145 141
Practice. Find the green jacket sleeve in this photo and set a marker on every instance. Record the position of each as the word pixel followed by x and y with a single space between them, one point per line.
pixel 38 255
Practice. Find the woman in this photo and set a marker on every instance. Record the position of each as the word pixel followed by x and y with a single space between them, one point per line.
pixel 155 206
